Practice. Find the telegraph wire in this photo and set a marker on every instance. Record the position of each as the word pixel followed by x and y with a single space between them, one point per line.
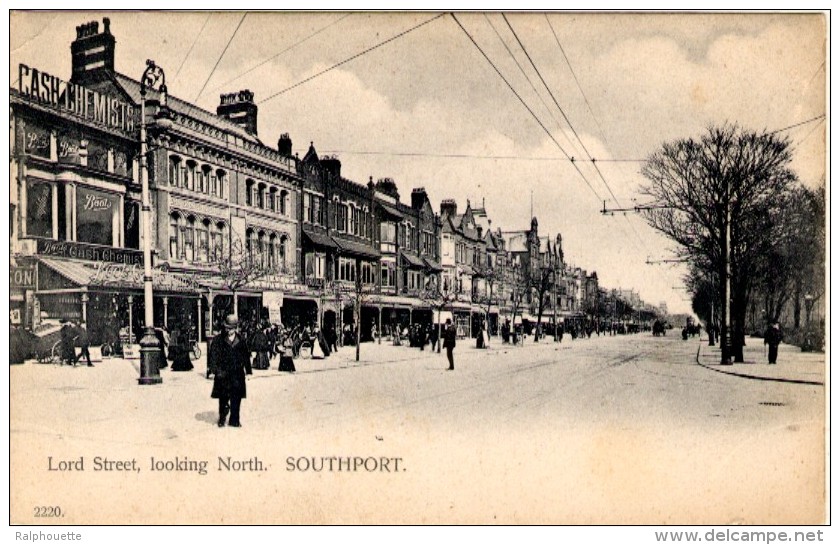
pixel 594 117
pixel 195 41
pixel 822 116
pixel 574 75
pixel 345 61
pixel 266 61
pixel 814 128
pixel 539 74
pixel 470 156
pixel 232 36
pixel 537 119
pixel 533 87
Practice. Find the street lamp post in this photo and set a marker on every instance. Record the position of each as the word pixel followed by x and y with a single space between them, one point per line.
pixel 149 345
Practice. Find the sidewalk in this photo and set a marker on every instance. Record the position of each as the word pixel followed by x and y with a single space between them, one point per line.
pixel 792 365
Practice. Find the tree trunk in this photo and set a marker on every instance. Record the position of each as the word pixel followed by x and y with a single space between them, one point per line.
pixel 739 312
pixel 797 302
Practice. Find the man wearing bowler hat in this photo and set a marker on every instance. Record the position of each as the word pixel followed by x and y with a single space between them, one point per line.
pixel 229 360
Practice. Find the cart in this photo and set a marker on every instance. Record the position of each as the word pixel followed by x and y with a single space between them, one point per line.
pixel 47 342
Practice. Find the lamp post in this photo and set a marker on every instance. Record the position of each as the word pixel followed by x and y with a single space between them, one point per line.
pixel 152 77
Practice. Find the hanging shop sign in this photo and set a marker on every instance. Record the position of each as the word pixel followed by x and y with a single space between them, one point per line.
pixel 273 301
pixel 75 99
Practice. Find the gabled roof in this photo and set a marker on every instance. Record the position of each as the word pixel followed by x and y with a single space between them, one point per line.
pixel 131 87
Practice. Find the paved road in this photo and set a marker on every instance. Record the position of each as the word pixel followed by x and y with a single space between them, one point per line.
pixel 603 430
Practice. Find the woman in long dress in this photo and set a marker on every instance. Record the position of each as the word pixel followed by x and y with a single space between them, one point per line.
pixel 179 350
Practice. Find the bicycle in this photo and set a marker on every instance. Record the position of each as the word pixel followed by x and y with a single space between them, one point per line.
pixel 194 348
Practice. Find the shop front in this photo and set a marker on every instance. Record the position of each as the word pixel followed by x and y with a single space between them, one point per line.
pixel 108 297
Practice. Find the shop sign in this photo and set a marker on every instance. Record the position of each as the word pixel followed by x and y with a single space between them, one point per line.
pixel 22 277
pixel 273 301
pixel 89 252
pixel 75 99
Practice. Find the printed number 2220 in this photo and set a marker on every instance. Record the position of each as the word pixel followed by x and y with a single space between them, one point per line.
pixel 48 511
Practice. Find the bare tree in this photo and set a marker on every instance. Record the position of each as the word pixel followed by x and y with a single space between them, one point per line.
pixel 439 298
pixel 728 180
pixel 542 282
pixel 238 267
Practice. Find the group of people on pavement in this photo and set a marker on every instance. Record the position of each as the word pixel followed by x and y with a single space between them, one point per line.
pixel 73 335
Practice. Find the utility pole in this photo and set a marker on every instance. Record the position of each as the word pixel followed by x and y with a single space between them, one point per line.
pixel 726 318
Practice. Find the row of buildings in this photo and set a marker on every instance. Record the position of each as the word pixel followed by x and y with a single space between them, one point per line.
pixel 239 225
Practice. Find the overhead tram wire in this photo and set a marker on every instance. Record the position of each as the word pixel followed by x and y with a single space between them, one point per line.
pixel 300 42
pixel 821 116
pixel 814 128
pixel 522 70
pixel 232 36
pixel 466 156
pixel 556 103
pixel 195 41
pixel 571 126
pixel 594 117
pixel 357 55
pixel 537 119
pixel 574 75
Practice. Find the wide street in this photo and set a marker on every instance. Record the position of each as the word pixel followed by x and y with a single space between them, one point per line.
pixel 602 430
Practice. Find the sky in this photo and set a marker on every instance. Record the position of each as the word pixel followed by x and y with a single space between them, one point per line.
pixel 428 110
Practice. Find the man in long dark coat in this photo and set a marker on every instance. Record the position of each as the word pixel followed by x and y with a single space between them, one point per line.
pixel 229 360
pixel 772 338
pixel 449 335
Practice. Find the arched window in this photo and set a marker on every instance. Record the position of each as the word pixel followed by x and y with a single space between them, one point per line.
pixel 174 229
pixel 218 242
pixel 261 248
pixel 260 196
pixel 175 170
pixel 249 192
pixel 206 174
pixel 272 251
pixel 202 235
pixel 189 239
pixel 351 219
pixel 217 185
pixel 250 243
pixel 189 182
pixel 272 199
pixel 283 205
pixel 281 253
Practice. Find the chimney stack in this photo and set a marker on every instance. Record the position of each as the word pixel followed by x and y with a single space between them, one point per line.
pixel 92 53
pixel 418 197
pixel 239 108
pixel 284 145
pixel 448 207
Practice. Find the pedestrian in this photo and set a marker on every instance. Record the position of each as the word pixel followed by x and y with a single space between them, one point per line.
pixel 83 341
pixel 179 350
pixel 68 350
pixel 772 338
pixel 449 335
pixel 258 342
pixel 229 361
pixel 331 337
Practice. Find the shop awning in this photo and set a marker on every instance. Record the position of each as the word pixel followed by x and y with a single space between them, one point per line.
pixel 319 239
pixel 432 264
pixel 357 248
pixel 413 261
pixel 111 276
pixel 391 211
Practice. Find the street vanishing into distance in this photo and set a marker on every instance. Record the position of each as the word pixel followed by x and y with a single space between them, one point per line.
pixel 622 429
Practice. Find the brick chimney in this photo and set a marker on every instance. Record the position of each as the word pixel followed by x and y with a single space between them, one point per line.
pixel 332 165
pixel 284 145
pixel 448 207
pixel 239 108
pixel 92 53
pixel 418 197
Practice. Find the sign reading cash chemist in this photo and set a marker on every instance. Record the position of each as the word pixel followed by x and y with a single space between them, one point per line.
pixel 75 99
